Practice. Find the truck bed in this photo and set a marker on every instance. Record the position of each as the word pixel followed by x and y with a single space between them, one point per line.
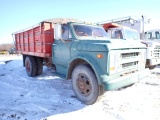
pixel 36 40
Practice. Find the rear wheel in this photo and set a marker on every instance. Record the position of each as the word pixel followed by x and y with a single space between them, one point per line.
pixel 31 66
pixel 85 84
pixel 39 64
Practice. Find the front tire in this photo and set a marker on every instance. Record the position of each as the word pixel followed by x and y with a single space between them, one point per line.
pixel 31 66
pixel 85 84
pixel 152 67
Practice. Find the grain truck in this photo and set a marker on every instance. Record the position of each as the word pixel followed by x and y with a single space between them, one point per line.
pixel 84 54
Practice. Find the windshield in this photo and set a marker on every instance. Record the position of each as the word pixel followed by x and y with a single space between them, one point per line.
pixel 148 35
pixel 157 35
pixel 89 31
pixel 131 34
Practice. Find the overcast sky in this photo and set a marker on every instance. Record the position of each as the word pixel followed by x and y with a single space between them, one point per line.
pixel 16 15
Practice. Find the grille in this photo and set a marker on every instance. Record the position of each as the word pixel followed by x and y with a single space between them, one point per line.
pixel 127 61
pixel 130 59
pixel 156 52
pixel 125 55
pixel 129 64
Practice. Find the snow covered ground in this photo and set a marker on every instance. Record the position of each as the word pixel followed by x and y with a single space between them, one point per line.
pixel 49 97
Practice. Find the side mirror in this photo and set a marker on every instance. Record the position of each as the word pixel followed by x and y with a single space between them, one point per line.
pixel 57 31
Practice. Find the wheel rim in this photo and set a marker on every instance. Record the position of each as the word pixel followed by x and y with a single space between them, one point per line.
pixel 84 85
pixel 28 68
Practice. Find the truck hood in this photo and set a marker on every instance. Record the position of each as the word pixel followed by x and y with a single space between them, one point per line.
pixel 150 43
pixel 110 44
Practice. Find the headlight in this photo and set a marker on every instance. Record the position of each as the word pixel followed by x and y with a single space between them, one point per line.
pixel 143 58
pixel 114 63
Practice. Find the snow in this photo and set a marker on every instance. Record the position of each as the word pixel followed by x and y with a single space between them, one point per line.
pixel 49 97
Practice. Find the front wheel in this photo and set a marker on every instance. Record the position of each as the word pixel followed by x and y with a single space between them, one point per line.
pixel 152 67
pixel 85 84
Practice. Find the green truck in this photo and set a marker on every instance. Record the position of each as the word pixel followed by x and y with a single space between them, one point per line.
pixel 84 54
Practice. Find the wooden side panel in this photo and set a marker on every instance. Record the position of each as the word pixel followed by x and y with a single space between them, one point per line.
pixel 36 41
pixel 48 39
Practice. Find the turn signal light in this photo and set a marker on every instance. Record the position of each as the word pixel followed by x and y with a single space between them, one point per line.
pixel 112 68
pixel 99 55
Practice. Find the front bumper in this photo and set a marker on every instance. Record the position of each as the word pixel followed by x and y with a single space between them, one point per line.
pixel 154 61
pixel 123 80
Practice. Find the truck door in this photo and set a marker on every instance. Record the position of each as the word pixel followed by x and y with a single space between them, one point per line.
pixel 61 49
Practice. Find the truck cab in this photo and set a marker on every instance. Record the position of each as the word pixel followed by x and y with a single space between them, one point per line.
pixel 89 51
pixel 83 53
pixel 153 35
pixel 123 33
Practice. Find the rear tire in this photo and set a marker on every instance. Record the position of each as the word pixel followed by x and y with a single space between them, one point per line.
pixel 39 64
pixel 31 66
pixel 85 84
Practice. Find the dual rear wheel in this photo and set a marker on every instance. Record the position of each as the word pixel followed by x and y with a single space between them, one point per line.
pixel 34 66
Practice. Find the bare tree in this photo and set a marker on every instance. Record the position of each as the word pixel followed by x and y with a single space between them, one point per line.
pixel 6 46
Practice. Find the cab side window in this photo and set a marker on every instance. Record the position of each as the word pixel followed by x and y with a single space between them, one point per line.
pixel 65 32
pixel 118 34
